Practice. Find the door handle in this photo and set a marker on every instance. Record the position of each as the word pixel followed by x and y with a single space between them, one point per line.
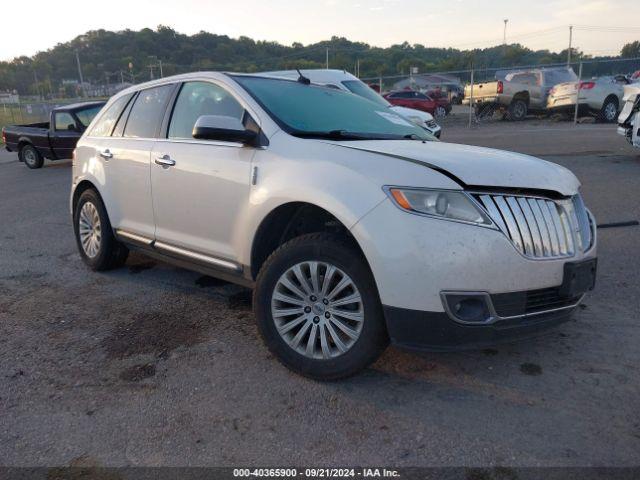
pixel 165 161
pixel 106 154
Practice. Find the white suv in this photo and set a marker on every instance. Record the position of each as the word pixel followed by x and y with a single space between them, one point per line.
pixel 352 225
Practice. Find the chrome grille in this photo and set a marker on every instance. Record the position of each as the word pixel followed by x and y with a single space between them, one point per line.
pixel 540 227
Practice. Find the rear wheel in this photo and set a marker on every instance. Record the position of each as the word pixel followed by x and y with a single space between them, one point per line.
pixel 609 111
pixel 318 309
pixel 96 242
pixel 517 110
pixel 31 157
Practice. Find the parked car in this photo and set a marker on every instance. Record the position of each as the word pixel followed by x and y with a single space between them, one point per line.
pixel 354 225
pixel 601 97
pixel 343 80
pixel 516 93
pixel 417 101
pixel 629 118
pixel 442 99
pixel 55 139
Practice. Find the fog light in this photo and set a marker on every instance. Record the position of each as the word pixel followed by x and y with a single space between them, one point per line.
pixel 467 308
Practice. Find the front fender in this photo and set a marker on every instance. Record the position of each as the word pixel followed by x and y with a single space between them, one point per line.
pixel 345 182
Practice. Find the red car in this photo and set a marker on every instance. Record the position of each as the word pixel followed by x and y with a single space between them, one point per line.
pixel 441 99
pixel 418 101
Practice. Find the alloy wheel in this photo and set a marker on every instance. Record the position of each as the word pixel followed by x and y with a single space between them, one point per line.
pixel 317 310
pixel 610 111
pixel 90 229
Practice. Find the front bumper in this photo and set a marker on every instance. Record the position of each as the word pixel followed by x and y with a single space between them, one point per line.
pixel 414 259
pixel 436 331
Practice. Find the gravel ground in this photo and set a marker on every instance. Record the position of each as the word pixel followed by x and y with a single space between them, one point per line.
pixel 153 365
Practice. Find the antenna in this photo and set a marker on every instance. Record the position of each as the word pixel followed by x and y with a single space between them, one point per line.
pixel 302 79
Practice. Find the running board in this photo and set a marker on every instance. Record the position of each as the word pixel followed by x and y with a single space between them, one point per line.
pixel 181 252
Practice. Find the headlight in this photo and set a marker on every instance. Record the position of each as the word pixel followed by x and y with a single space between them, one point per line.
pixel 444 204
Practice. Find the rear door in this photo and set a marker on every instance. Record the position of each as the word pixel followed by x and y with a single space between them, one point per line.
pixel 200 188
pixel 125 154
pixel 64 135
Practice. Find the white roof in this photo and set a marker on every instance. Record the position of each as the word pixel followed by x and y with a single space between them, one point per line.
pixel 315 75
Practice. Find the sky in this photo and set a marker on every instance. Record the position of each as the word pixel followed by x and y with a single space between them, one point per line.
pixel 464 24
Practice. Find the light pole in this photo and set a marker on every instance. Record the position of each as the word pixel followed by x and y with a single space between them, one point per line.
pixel 82 89
pixel 504 36
pixel 570 47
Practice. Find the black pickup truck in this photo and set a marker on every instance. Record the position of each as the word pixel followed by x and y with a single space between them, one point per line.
pixel 55 139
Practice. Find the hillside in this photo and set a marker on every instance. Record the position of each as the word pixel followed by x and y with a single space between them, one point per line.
pixel 112 56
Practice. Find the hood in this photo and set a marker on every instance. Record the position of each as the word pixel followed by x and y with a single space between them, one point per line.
pixel 412 112
pixel 476 166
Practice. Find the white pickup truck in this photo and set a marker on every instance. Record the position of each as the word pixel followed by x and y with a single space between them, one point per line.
pixel 517 92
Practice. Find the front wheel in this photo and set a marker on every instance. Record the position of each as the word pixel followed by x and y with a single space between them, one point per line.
pixel 31 157
pixel 98 247
pixel 440 112
pixel 317 307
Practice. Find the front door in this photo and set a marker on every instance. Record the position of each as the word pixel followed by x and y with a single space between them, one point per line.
pixel 200 188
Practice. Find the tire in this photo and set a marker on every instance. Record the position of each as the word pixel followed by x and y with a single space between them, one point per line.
pixel 31 157
pixel 609 111
pixel 339 355
pixel 517 111
pixel 100 250
pixel 440 112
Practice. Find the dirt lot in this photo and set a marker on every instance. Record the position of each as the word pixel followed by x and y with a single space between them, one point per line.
pixel 153 365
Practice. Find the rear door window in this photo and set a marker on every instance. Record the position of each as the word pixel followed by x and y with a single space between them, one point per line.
pixel 147 112
pixel 104 125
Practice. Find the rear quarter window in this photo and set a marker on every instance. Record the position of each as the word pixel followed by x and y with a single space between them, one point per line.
pixel 108 119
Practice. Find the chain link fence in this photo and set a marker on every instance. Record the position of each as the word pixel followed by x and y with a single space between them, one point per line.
pixel 455 85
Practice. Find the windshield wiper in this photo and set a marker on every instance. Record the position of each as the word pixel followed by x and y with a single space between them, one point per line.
pixel 339 135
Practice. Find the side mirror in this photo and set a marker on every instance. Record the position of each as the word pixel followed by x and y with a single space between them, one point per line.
pixel 219 127
pixel 72 127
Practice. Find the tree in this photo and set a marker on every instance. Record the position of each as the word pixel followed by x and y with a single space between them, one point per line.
pixel 631 50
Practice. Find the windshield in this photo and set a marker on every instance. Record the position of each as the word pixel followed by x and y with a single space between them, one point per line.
pixel 365 91
pixel 316 111
pixel 85 116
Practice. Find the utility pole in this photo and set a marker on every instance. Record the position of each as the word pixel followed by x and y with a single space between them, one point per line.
pixel 106 76
pixel 358 69
pixel 84 92
pixel 160 64
pixel 35 78
pixel 570 42
pixel 121 77
pixel 327 58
